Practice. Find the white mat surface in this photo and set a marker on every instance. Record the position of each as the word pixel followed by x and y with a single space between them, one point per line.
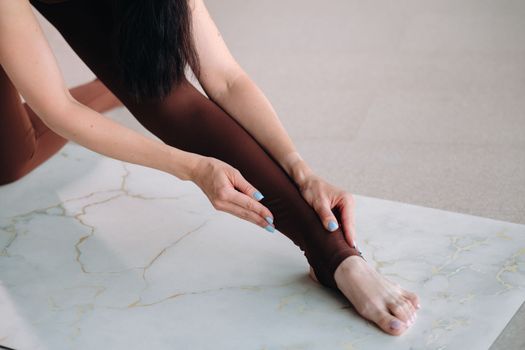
pixel 96 253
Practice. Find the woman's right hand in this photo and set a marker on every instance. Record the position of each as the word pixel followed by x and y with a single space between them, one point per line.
pixel 229 191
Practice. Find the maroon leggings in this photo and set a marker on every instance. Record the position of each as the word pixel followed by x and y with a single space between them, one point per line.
pixel 187 120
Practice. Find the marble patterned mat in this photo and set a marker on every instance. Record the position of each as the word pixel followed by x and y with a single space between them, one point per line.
pixel 97 253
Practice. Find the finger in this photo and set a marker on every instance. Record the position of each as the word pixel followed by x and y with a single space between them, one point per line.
pixel 240 183
pixel 249 191
pixel 346 207
pixel 251 204
pixel 322 207
pixel 245 214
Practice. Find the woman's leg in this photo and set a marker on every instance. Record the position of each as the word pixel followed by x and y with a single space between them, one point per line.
pixel 188 120
pixel 16 139
pixel 25 141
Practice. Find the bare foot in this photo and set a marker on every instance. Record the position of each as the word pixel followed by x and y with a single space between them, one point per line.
pixel 375 297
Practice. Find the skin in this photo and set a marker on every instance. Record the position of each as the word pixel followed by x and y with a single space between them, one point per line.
pixel 22 45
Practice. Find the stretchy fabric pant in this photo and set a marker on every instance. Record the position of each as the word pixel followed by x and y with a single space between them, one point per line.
pixel 186 119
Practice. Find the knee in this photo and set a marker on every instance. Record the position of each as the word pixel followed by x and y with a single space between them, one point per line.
pixel 16 163
pixel 186 100
pixel 11 174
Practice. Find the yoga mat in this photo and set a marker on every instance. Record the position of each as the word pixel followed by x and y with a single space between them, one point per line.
pixel 97 253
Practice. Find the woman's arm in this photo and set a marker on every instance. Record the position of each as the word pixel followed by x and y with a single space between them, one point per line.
pixel 227 84
pixel 30 64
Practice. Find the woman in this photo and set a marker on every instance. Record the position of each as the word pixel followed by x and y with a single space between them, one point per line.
pixel 231 144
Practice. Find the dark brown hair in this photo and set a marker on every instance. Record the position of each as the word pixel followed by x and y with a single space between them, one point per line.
pixel 152 44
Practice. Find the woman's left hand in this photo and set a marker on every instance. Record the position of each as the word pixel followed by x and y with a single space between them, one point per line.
pixel 324 197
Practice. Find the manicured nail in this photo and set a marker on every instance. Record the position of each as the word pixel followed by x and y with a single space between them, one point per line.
pixel 269 219
pixel 332 225
pixel 418 305
pixel 395 324
pixel 258 195
pixel 270 228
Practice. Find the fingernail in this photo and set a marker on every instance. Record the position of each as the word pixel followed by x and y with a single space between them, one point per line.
pixel 258 195
pixel 269 219
pixel 418 305
pixel 395 324
pixel 270 228
pixel 332 225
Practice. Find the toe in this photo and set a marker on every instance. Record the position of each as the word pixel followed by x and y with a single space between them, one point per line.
pixel 414 299
pixel 389 323
pixel 399 308
pixel 412 310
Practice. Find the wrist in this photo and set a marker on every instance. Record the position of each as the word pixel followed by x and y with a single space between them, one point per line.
pixel 181 163
pixel 296 167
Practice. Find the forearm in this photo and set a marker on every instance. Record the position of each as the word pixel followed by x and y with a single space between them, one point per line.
pixel 92 130
pixel 245 102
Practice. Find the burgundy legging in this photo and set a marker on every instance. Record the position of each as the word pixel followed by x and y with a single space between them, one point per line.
pixel 186 119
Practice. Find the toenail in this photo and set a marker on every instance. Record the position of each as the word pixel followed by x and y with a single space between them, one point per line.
pixel 395 324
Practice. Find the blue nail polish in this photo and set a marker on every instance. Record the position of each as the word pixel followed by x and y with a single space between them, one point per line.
pixel 332 225
pixel 258 195
pixel 270 228
pixel 269 219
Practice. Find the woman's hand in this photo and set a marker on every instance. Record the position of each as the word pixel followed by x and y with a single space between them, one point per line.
pixel 220 181
pixel 324 197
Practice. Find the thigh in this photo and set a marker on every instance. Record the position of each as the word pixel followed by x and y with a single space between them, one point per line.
pixel 25 140
pixel 17 142
pixel 190 121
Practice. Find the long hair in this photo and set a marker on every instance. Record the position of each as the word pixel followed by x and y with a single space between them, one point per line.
pixel 152 44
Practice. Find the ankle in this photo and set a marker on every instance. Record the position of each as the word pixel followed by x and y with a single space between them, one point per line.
pixel 350 265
